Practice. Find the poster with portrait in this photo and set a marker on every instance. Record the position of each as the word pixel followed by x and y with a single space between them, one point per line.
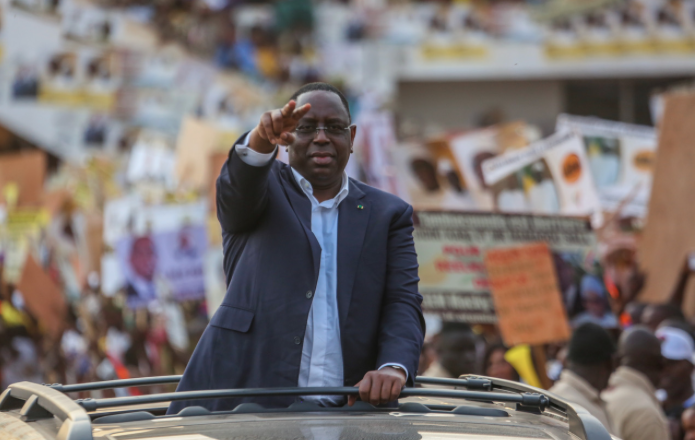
pixel 62 78
pixel 90 24
pixel 469 150
pixel 164 265
pixel 621 157
pixel 429 180
pixel 102 78
pixel 550 176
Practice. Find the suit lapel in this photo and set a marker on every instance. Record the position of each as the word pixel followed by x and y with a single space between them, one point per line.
pixel 353 219
pixel 302 208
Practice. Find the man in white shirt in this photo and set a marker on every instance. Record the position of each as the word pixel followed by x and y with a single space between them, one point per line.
pixel 321 269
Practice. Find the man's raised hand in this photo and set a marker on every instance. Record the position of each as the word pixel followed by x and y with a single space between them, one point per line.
pixel 276 126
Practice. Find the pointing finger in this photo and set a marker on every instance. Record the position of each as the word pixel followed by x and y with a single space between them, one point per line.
pixel 288 109
pixel 276 116
pixel 301 111
pixel 267 124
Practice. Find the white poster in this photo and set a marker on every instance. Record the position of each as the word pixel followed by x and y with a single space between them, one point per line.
pixel 621 157
pixel 550 176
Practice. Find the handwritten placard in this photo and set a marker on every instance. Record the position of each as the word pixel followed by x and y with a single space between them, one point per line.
pixel 525 292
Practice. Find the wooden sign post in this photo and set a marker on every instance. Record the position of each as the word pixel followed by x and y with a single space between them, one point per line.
pixel 669 234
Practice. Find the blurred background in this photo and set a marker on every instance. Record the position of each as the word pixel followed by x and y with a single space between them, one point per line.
pixel 116 116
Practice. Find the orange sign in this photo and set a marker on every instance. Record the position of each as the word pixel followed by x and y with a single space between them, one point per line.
pixel 571 168
pixel 526 295
pixel 42 297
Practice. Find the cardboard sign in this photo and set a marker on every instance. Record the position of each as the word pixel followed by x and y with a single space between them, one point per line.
pixel 196 141
pixel 669 235
pixel 451 246
pixel 550 176
pixel 42 297
pixel 26 171
pixel 216 161
pixel 525 290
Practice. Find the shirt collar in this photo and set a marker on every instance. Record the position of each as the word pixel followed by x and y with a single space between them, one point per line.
pixel 309 190
pixel 581 385
pixel 631 377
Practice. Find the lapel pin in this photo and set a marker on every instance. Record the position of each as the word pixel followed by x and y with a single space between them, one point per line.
pixel 360 206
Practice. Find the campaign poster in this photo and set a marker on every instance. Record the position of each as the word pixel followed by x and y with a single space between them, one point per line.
pixel 90 25
pixel 469 150
pixel 164 265
pixel 550 176
pixel 430 181
pixel 621 157
pixel 451 249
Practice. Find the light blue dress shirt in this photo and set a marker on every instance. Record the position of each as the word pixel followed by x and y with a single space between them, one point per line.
pixel 322 354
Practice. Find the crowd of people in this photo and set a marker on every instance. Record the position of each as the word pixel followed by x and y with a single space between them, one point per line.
pixel 102 339
pixel 637 380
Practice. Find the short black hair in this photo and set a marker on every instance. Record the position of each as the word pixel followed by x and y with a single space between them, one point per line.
pixel 590 344
pixel 667 310
pixel 322 87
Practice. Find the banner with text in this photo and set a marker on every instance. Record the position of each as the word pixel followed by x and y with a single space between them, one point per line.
pixel 451 248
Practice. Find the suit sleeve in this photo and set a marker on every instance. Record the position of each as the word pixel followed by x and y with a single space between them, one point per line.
pixel 242 193
pixel 402 325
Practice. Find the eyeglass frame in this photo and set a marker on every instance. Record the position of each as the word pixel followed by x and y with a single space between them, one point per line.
pixel 325 130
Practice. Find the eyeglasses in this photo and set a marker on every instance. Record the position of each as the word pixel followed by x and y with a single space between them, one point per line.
pixel 311 131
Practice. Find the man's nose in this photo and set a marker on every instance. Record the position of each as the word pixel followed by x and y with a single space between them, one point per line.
pixel 320 137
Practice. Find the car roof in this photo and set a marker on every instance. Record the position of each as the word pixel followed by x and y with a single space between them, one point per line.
pixel 488 407
pixel 324 425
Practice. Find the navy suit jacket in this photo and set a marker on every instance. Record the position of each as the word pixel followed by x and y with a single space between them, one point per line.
pixel 271 261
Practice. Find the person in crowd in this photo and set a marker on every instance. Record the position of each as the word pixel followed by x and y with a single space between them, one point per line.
pixel 497 366
pixel 631 401
pixel 589 364
pixel 688 423
pixel 655 314
pixel 635 310
pixel 595 302
pixel 428 356
pixel 677 348
pixel 342 305
pixel 456 352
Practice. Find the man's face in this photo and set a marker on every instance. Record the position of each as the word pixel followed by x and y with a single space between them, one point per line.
pixel 143 259
pixel 321 158
pixel 594 304
pixel 457 353
pixel 674 375
pixel 652 317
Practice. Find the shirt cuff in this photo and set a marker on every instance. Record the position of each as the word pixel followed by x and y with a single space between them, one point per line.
pixel 252 157
pixel 396 365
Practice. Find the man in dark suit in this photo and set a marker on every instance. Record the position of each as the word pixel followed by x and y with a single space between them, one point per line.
pixel 321 269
